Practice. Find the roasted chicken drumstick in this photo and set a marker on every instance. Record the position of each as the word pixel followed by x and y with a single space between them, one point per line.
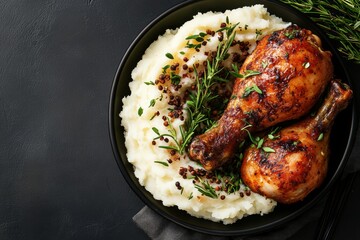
pixel 299 162
pixel 289 73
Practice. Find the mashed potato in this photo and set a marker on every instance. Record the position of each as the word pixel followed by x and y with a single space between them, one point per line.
pixel 145 112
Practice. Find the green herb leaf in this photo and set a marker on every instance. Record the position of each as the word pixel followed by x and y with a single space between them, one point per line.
pixel 260 143
pixel 272 135
pixel 264 64
pixel 192 37
pixel 156 131
pixel 291 34
pixel 190 196
pixel 190 45
pixel 320 137
pixel 150 83
pixel 175 79
pixel 169 55
pixel 162 163
pixel 152 102
pixel 140 111
pixel 248 73
pixel 165 68
pixel 268 149
pixel 250 89
pixel 258 33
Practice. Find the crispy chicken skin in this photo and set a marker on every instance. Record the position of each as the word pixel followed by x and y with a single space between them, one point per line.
pixel 293 72
pixel 299 162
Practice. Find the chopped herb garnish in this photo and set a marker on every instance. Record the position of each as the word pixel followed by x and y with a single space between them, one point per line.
pixel 162 163
pixel 153 116
pixel 272 132
pixel 140 111
pixel 257 141
pixel 175 79
pixel 190 196
pixel 198 37
pixel 268 149
pixel 258 33
pixel 248 73
pixel 291 34
pixel 156 131
pixel 260 143
pixel 321 137
pixel 270 136
pixel 150 83
pixel 165 68
pixel 241 156
pixel 190 45
pixel 264 64
pixel 250 89
pixel 169 55
pixel 241 145
pixel 152 102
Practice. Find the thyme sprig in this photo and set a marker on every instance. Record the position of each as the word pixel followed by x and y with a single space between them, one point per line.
pixel 339 18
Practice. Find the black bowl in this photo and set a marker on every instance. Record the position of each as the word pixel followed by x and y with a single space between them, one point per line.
pixel 342 138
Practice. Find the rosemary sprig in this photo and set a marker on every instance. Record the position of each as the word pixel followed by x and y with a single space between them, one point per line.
pixel 197 105
pixel 339 18
pixel 206 189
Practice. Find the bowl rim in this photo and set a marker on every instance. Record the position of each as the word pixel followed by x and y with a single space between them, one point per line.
pixel 259 229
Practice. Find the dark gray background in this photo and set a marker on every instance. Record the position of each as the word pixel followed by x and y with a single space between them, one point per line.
pixel 58 176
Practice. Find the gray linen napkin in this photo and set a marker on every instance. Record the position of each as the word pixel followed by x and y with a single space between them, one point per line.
pixel 159 228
